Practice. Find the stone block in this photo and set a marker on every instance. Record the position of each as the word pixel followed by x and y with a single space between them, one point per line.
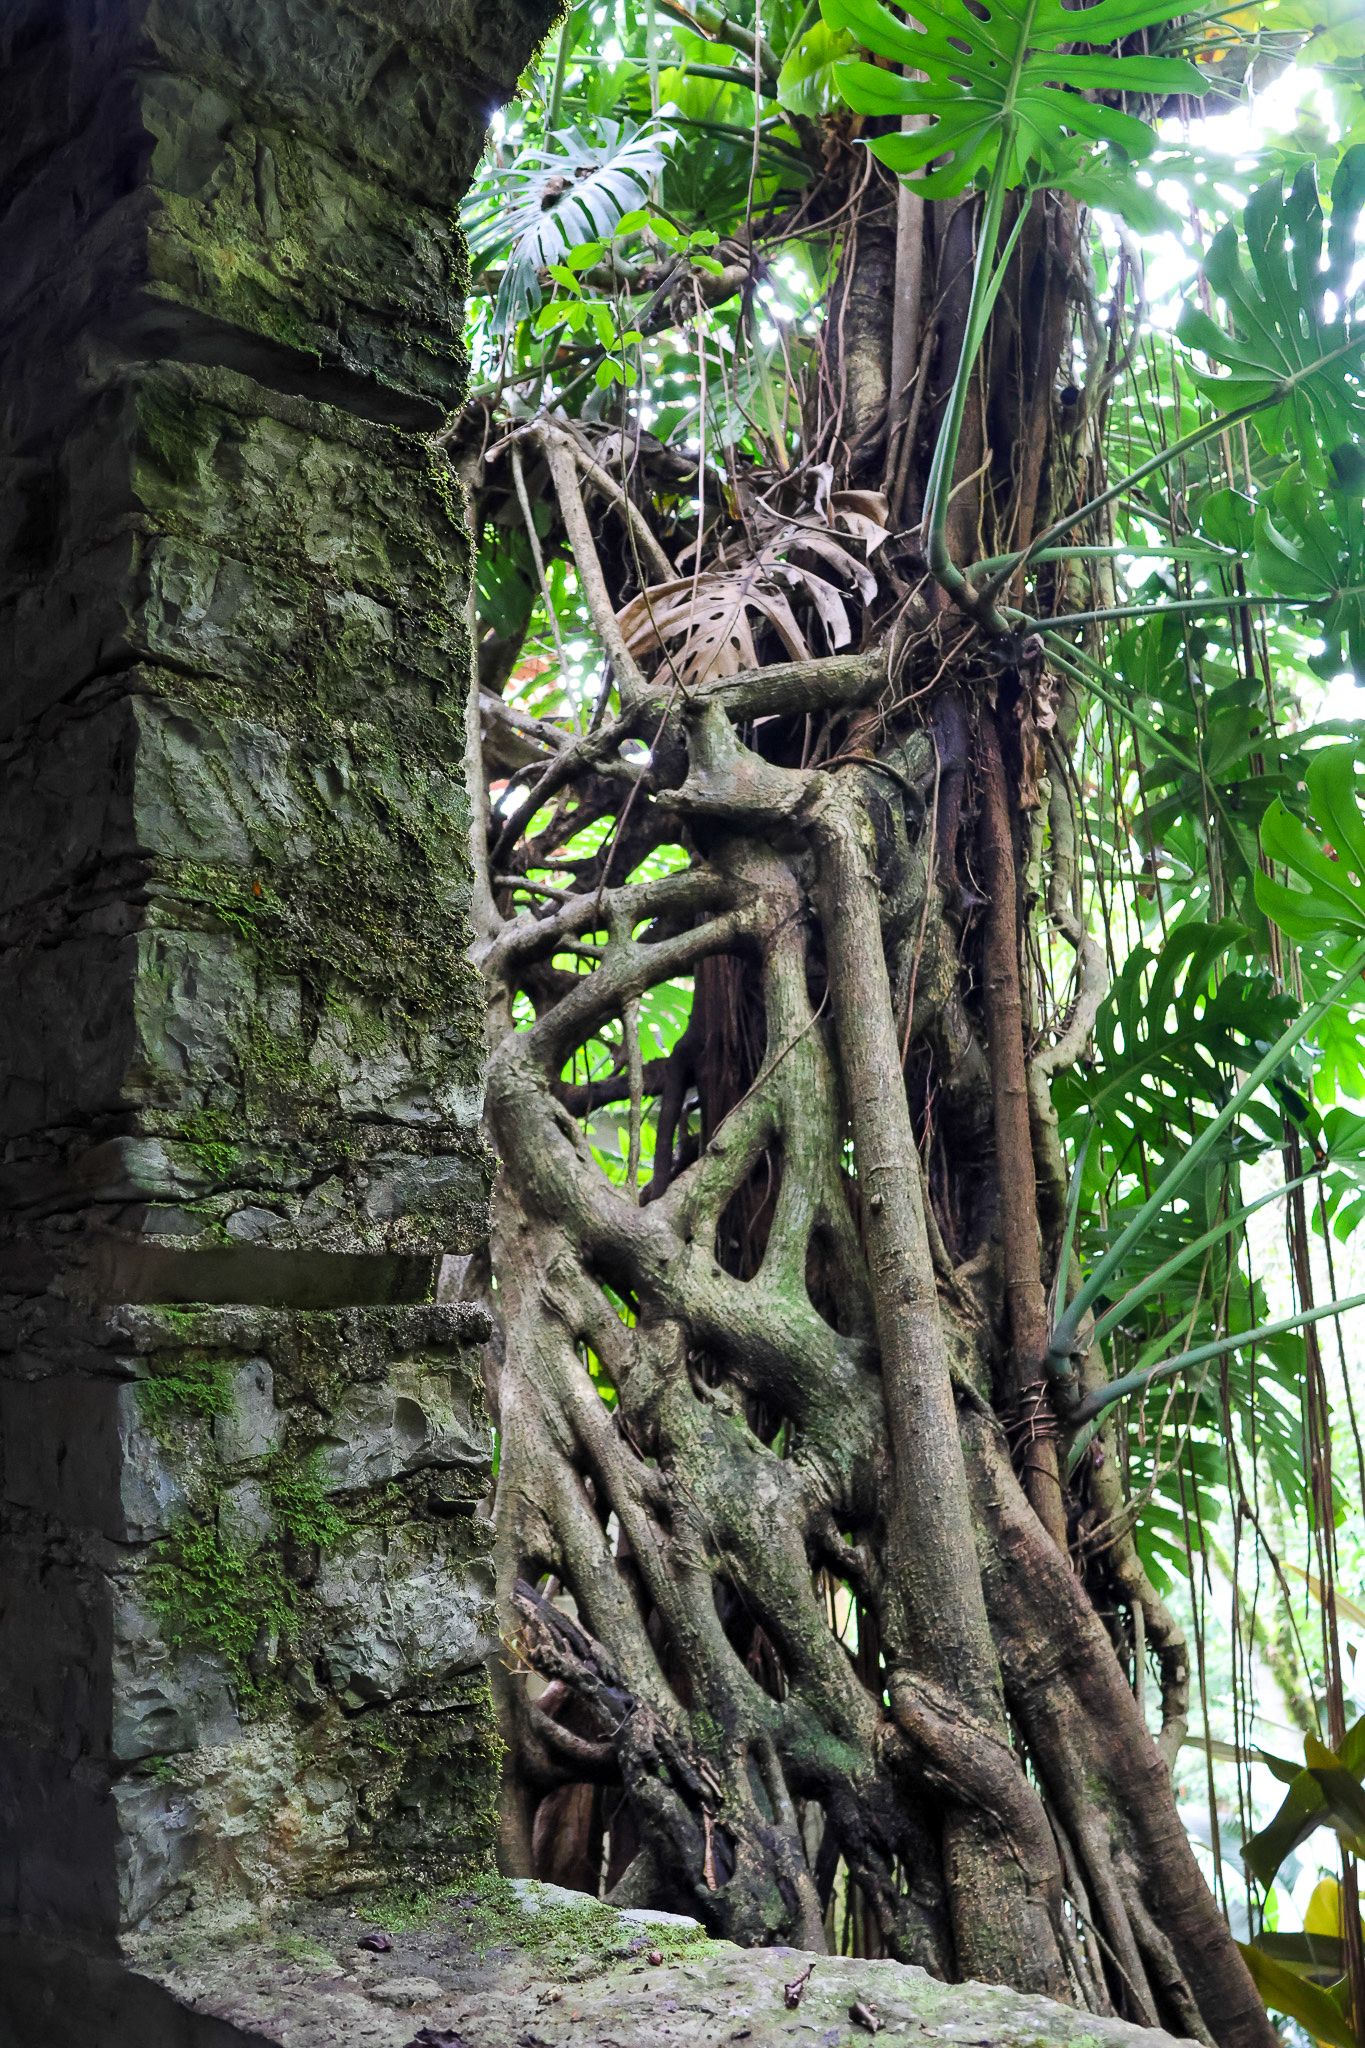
pixel 275 1573
pixel 396 1621
pixel 347 570
pixel 159 1832
pixel 166 1699
pixel 262 227
pixel 405 90
pixel 264 1127
pixel 414 1420
pixel 251 1427
pixel 233 464
pixel 245 1519
pixel 220 217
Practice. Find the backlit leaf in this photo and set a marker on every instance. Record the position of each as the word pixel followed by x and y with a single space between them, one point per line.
pixel 975 77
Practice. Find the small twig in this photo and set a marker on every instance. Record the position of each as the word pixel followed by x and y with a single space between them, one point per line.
pixel 602 481
pixel 523 499
pixel 563 464
pixel 708 1868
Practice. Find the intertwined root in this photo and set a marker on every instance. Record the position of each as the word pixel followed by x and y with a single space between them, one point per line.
pixel 758 1527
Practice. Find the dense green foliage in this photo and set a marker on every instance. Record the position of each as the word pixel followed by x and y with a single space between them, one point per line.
pixel 657 271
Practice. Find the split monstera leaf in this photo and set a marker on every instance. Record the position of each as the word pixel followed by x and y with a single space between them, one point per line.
pixel 1289 344
pixel 974 81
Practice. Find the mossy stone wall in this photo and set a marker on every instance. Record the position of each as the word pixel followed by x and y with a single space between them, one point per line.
pixel 243 1584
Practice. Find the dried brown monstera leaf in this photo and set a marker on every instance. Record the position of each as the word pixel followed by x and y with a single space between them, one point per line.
pixel 805 585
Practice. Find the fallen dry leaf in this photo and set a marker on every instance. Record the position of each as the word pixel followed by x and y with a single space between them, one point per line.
pixel 793 1993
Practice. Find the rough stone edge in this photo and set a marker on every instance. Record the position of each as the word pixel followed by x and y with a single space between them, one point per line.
pixel 299 1985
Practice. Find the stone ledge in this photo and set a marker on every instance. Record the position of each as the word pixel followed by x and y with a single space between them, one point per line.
pixel 509 1966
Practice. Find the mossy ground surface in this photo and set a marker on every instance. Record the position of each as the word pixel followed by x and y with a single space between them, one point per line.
pixel 499 1965
pixel 564 1935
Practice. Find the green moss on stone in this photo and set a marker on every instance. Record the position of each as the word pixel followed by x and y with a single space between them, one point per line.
pixel 176 436
pixel 184 1386
pixel 282 1085
pixel 300 1505
pixel 371 912
pixel 236 1602
pixel 299 1949
pixel 206 1591
pixel 563 1938
pixel 231 257
pixel 236 898
pixel 462 1752
pixel 445 489
pixel 208 1136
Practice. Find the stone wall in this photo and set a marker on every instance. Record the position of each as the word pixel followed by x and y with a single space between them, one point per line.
pixel 243 1588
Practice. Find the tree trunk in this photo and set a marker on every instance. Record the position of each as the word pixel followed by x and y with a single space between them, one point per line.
pixel 781 1526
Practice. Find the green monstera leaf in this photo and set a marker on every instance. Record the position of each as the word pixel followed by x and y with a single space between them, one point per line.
pixel 1324 900
pixel 1291 347
pixel 1333 31
pixel 808 82
pixel 1175 1025
pixel 1310 546
pixel 1007 74
pixel 573 188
